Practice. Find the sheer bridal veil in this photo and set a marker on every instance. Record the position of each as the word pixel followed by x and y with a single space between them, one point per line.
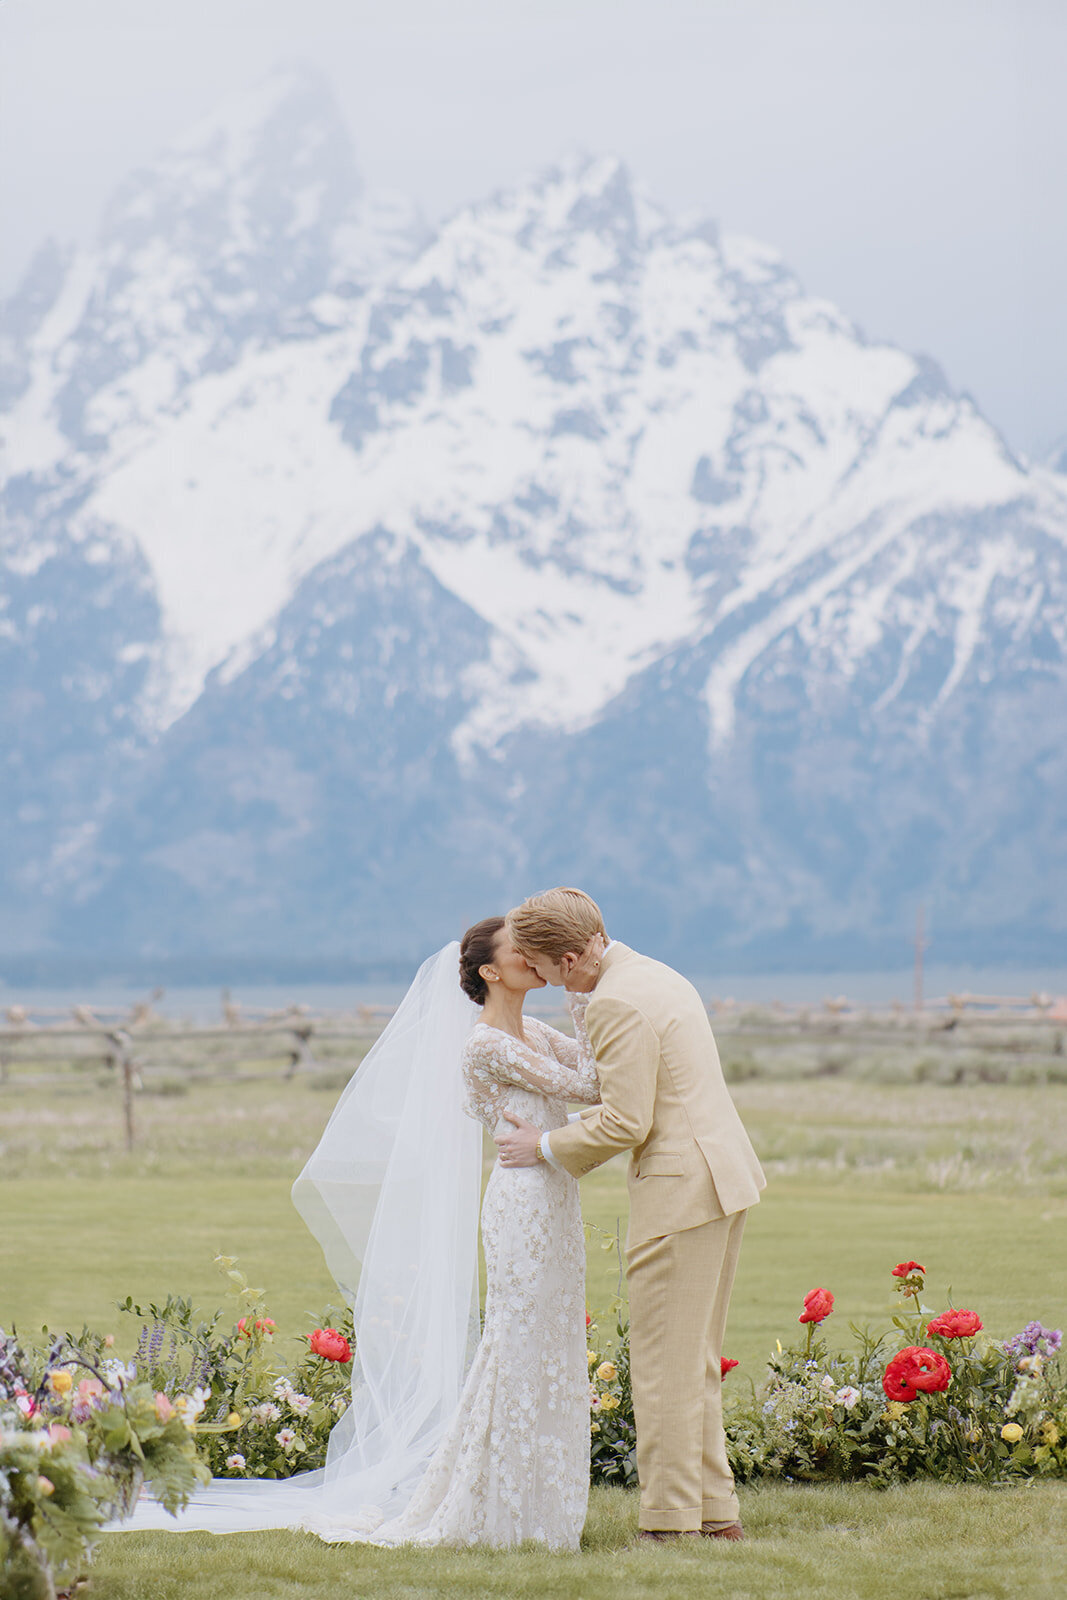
pixel 391 1193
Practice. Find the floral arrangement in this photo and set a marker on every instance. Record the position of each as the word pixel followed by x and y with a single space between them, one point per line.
pixel 612 1436
pixel 949 1403
pixel 264 1422
pixel 74 1452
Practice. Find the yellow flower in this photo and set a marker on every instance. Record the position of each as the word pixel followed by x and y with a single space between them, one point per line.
pixel 1011 1432
pixel 973 1436
pixel 895 1409
pixel 608 1402
pixel 590 1356
pixel 62 1382
pixel 1049 1431
pixel 594 1427
pixel 45 1485
pixel 234 1419
pixel 607 1371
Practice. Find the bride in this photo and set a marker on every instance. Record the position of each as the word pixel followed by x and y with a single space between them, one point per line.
pixel 450 1438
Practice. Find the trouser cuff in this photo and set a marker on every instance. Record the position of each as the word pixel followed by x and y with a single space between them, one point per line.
pixel 727 1509
pixel 686 1520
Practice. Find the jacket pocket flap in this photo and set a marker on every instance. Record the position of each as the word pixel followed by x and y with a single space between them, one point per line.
pixel 661 1166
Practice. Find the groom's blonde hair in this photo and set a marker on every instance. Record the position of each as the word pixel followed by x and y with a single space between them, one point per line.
pixel 553 923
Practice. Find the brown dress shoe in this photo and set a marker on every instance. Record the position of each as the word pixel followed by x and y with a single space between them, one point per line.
pixel 666 1535
pixel 733 1531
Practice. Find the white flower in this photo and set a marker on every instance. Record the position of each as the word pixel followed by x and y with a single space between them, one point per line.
pixel 847 1397
pixel 235 1462
pixel 286 1438
pixel 827 1385
pixel 282 1389
pixel 191 1405
pixel 119 1374
pixel 267 1412
pixel 340 1403
pixel 300 1403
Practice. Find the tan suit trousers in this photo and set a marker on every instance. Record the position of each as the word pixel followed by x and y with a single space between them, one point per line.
pixel 679 1295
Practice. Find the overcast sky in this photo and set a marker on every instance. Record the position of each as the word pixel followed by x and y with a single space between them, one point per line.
pixel 908 158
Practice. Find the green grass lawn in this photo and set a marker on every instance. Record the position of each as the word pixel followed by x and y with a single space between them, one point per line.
pixel 925 1542
pixel 972 1181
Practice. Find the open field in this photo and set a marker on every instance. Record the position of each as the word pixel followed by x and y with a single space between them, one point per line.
pixel 970 1180
pixel 968 1177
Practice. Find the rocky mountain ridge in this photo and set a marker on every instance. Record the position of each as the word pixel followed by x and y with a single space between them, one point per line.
pixel 358 580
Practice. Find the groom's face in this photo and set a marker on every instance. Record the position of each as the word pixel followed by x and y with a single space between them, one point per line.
pixel 546 968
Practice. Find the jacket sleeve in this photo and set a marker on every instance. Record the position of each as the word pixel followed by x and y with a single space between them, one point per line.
pixel 576 1053
pixel 627 1050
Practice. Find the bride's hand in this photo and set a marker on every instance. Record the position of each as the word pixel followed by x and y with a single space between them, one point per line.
pixel 580 974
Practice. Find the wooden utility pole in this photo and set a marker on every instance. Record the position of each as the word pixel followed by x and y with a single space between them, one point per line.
pixel 920 946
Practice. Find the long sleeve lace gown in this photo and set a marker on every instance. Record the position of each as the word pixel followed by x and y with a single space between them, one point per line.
pixel 514 1464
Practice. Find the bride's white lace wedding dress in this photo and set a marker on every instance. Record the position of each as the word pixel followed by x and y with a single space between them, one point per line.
pixel 514 1464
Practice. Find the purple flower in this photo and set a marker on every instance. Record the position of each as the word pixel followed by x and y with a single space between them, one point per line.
pixel 1031 1337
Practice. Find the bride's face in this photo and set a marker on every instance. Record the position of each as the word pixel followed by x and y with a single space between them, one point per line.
pixel 514 970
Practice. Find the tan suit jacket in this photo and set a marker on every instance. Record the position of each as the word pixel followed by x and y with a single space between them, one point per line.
pixel 663 1098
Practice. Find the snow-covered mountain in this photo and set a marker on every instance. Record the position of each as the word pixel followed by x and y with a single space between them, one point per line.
pixel 362 580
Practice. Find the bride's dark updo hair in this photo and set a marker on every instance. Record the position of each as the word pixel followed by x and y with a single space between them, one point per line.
pixel 476 950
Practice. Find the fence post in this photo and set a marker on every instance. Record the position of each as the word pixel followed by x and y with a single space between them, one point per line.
pixel 302 1055
pixel 122 1056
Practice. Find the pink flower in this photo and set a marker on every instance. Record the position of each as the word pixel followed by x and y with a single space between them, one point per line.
pixel 818 1304
pixel 164 1409
pixel 58 1433
pixel 90 1389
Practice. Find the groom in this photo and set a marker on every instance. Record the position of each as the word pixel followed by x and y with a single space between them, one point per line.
pixel 692 1175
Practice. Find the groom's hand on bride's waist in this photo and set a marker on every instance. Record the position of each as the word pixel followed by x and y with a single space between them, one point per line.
pixel 521 1147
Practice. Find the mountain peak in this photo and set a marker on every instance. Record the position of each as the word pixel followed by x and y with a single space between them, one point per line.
pixel 276 159
pixel 290 93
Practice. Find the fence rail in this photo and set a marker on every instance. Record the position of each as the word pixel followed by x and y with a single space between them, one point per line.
pixel 137 1044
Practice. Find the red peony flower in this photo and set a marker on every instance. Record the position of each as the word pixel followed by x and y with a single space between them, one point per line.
pixel 588 1320
pixel 953 1324
pixel 904 1269
pixel 330 1345
pixel 916 1369
pixel 726 1365
pixel 818 1304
